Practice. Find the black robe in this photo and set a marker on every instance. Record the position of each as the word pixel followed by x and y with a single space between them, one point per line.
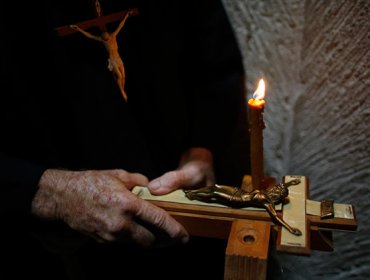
pixel 61 107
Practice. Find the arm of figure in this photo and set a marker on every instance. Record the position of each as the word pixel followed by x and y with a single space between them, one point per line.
pixel 195 169
pixel 101 205
pixel 271 210
pixel 121 24
pixel 87 34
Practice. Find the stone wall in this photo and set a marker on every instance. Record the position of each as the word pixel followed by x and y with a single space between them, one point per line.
pixel 314 56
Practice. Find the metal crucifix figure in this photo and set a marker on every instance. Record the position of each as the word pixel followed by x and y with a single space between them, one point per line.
pixel 237 197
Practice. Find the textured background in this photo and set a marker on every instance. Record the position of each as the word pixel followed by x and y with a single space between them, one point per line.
pixel 314 56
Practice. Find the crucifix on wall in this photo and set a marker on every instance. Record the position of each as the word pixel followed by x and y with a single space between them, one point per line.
pixel 109 39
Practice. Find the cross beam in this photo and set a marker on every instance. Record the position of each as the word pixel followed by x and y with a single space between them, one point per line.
pixel 100 20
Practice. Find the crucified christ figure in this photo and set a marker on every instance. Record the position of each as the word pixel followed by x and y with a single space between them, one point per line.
pixel 237 197
pixel 115 63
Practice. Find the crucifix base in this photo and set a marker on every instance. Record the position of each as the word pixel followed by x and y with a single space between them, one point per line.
pixel 247 250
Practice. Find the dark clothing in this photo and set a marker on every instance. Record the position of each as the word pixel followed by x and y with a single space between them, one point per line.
pixel 61 107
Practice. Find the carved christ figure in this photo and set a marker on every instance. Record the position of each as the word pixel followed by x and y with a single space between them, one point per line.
pixel 109 40
pixel 237 197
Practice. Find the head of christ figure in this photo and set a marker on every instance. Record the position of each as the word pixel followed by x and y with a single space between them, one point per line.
pixel 105 36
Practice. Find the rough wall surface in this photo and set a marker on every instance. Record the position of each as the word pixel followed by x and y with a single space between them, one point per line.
pixel 315 58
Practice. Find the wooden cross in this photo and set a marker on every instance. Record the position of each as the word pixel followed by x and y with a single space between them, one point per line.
pixel 100 20
pixel 248 231
pixel 115 63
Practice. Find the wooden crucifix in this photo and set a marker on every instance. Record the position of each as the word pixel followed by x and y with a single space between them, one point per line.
pixel 109 39
pixel 248 230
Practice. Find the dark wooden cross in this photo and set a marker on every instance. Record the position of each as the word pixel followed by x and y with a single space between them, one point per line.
pixel 100 21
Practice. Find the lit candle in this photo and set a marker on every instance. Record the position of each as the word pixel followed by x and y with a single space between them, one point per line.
pixel 256 126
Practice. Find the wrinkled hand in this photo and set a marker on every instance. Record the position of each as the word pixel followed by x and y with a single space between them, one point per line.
pixel 101 205
pixel 195 169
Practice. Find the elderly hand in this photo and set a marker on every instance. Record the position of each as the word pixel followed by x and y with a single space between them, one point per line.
pixel 195 169
pixel 101 205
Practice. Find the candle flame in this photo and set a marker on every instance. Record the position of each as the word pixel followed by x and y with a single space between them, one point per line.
pixel 259 94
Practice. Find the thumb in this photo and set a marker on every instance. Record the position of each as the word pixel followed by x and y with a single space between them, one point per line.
pixel 167 183
pixel 186 177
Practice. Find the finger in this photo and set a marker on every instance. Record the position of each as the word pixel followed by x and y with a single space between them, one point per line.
pixel 141 235
pixel 129 179
pixel 144 235
pixel 167 183
pixel 136 233
pixel 154 218
pixel 136 179
pixel 103 237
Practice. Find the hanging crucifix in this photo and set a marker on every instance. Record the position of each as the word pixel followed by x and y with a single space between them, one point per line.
pixel 109 39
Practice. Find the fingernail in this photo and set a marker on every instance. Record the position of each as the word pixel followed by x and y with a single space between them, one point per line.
pixel 185 239
pixel 154 185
